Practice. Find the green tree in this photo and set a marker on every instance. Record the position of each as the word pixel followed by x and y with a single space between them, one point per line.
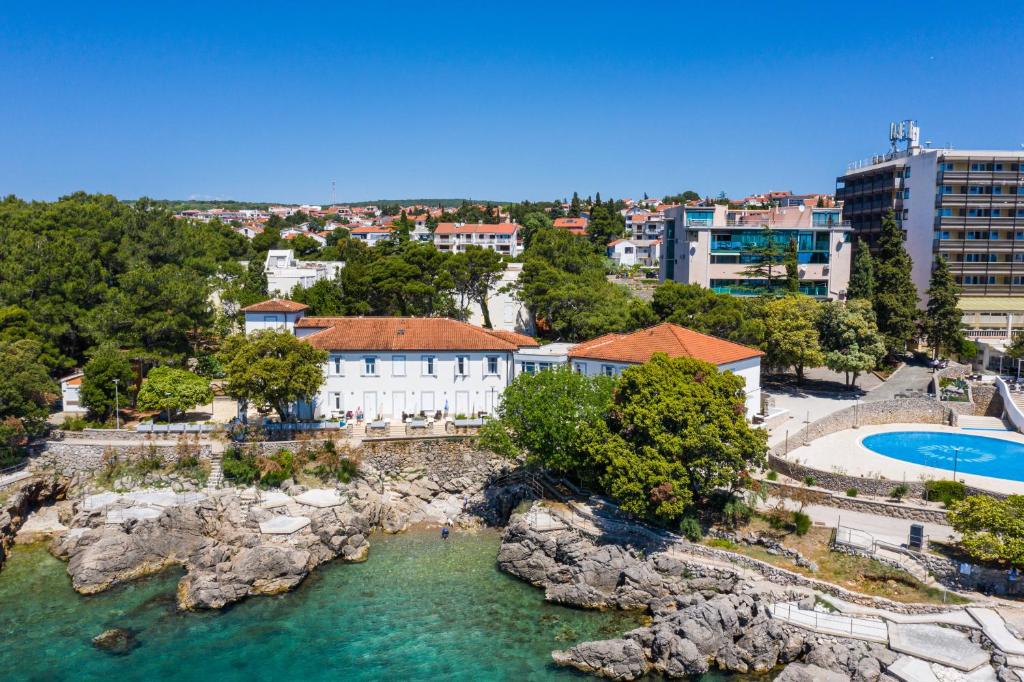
pixel 533 223
pixel 792 268
pixel 791 334
pixel 683 198
pixel 991 529
pixel 324 298
pixel 476 272
pixel 768 259
pixel 605 225
pixel 26 391
pixel 943 323
pixel 97 393
pixel 850 338
pixel 575 207
pixel 703 310
pixel 271 369
pixel 173 390
pixel 547 414
pixel 862 274
pixel 305 247
pixel 676 432
pixel 895 301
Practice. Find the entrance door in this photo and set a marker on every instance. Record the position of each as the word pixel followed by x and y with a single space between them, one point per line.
pixel 462 402
pixel 427 403
pixel 370 404
pixel 397 404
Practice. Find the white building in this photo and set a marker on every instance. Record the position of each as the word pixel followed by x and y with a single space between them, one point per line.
pixel 455 237
pixel 549 356
pixel 630 252
pixel 612 353
pixel 71 394
pixel 278 314
pixel 370 235
pixel 285 272
pixel 506 311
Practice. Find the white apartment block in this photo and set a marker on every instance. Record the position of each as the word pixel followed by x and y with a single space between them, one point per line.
pixel 455 237
pixel 630 252
pixel 285 272
pixel 370 235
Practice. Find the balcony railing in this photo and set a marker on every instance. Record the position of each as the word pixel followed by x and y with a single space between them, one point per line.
pixel 817 290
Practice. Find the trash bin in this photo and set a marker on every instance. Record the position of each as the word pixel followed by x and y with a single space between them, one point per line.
pixel 916 540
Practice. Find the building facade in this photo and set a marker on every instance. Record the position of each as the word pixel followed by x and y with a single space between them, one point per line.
pixel 285 272
pixel 500 237
pixel 715 247
pixel 965 205
pixel 630 252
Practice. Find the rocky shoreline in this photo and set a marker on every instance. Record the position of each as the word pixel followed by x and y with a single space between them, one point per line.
pixel 221 537
pixel 704 616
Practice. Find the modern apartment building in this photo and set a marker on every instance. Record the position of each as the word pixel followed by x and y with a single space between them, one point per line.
pixel 967 205
pixel 714 246
pixel 455 237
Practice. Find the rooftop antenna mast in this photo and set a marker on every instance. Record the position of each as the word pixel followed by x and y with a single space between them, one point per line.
pixel 332 192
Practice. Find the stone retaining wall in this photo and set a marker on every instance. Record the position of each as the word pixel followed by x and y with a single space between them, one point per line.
pixel 79 458
pixel 842 501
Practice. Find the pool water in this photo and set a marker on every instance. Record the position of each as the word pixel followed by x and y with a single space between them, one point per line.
pixel 979 455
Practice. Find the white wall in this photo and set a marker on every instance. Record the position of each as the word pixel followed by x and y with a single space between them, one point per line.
pixel 277 321
pixel 507 313
pixel 71 399
pixel 404 385
pixel 920 222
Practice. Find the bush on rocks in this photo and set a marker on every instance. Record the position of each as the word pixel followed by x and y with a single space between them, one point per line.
pixel 946 492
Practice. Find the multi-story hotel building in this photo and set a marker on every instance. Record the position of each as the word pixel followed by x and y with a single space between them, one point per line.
pixel 714 246
pixel 967 205
pixel 455 237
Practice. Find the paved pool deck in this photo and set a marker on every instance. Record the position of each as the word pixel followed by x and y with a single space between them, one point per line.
pixel 844 452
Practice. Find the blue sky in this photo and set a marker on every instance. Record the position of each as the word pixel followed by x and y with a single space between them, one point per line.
pixel 506 101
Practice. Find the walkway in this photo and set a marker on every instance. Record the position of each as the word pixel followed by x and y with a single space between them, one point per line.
pixel 886 528
pixel 910 378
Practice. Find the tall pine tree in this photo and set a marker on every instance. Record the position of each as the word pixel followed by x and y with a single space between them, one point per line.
pixel 862 275
pixel 792 268
pixel 768 259
pixel 895 298
pixel 943 324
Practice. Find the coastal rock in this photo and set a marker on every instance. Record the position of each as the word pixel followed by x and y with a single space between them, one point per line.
pixel 117 641
pixel 805 672
pixel 616 659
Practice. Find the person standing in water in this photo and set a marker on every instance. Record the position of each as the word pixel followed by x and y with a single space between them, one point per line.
pixel 444 532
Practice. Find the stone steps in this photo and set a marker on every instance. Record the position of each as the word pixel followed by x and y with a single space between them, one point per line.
pixel 216 477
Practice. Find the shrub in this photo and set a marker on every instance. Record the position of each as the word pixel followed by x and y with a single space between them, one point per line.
pixel 772 476
pixel 148 463
pixel 899 492
pixel 721 543
pixel 74 424
pixel 851 492
pixel 801 523
pixel 736 513
pixel 809 480
pixel 495 437
pixel 690 528
pixel 946 492
pixel 240 466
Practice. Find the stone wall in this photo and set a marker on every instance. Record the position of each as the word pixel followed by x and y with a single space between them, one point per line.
pixel 70 458
pixel 842 501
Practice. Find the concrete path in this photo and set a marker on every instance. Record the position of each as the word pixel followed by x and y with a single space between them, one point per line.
pixel 320 498
pixel 910 669
pixel 885 528
pixel 283 525
pixel 937 644
pixel 993 625
pixel 908 378
pixel 958 617
pixel 11 479
pixel 855 627
pixel 116 516
pixel 971 423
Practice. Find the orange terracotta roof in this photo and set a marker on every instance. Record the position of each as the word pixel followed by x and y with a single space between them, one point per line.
pixel 276 305
pixel 370 230
pixel 476 228
pixel 671 339
pixel 570 222
pixel 408 333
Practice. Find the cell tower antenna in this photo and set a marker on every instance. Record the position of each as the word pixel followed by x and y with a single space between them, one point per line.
pixel 332 192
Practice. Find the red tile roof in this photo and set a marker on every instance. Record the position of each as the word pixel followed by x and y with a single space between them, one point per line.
pixel 476 228
pixel 671 339
pixel 571 222
pixel 275 305
pixel 408 333
pixel 371 230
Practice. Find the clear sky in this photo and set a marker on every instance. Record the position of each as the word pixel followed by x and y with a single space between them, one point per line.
pixel 269 102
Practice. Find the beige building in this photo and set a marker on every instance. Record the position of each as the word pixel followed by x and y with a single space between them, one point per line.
pixel 714 246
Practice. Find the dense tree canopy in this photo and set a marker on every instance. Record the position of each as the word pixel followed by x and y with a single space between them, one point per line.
pixel 791 333
pixel 692 306
pixel 992 530
pixel 271 369
pixel 849 337
pixel 173 390
pixel 26 392
pixel 862 274
pixel 943 321
pixel 895 300
pixel 97 392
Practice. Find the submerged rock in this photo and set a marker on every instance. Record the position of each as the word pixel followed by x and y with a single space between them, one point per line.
pixel 117 641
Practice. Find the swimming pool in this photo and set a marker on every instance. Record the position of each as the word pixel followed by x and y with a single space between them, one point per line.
pixel 973 454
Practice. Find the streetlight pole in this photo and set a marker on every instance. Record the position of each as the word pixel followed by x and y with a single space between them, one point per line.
pixel 117 405
pixel 956 458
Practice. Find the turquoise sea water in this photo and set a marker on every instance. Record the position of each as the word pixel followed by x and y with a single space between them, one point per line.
pixel 417 609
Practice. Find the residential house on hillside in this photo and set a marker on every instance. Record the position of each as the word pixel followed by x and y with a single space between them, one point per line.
pixel 630 252
pixel 370 234
pixel 500 237
pixel 278 314
pixel 612 353
pixel 576 226
pixel 71 394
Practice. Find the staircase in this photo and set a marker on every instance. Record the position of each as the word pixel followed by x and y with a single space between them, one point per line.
pixel 216 477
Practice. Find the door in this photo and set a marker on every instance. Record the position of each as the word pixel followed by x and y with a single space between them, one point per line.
pixel 397 404
pixel 370 404
pixel 491 400
pixel 462 402
pixel 427 403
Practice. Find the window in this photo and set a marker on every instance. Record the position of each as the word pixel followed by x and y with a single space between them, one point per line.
pixel 944 234
pixel 579 367
pixel 906 172
pixel 945 212
pixel 906 193
pixel 1018 258
pixel 946 189
pixel 980 258
pixel 947 166
pixel 1020 212
pixel 608 370
pixel 338 365
pixel 997 190
pixel 492 365
pixel 398 365
pixel 461 365
pixel 1017 279
pixel 975 189
pixel 370 366
pixel 979 279
pixel 529 368
pixel 429 369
